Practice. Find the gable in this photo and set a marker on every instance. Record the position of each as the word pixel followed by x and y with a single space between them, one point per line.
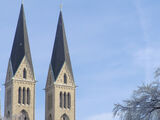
pixel 65 71
pixel 50 77
pixel 19 75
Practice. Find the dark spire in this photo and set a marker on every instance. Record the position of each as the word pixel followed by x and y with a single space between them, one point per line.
pixel 60 51
pixel 21 45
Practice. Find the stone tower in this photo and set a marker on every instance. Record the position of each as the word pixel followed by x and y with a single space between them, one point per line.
pixel 60 85
pixel 20 80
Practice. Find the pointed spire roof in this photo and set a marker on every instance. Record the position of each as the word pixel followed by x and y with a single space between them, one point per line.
pixel 60 53
pixel 21 44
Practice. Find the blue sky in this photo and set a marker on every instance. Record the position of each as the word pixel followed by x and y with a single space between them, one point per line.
pixel 114 47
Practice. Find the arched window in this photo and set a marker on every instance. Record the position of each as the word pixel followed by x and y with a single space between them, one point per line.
pixel 24 73
pixel 19 95
pixel 65 100
pixel 50 117
pixel 24 115
pixel 8 114
pixel 69 100
pixel 65 79
pixel 28 96
pixel 24 96
pixel 64 117
pixel 61 99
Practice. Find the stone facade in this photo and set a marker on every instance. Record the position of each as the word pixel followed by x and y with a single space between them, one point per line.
pixel 60 85
pixel 12 107
pixel 20 80
pixel 54 88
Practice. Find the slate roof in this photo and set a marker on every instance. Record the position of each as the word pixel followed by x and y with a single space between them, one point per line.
pixel 60 51
pixel 21 44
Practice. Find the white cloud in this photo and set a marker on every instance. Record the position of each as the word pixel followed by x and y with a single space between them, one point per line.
pixel 103 116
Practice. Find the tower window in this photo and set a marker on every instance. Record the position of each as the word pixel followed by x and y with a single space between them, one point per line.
pixel 24 73
pixel 61 99
pixel 8 114
pixel 64 117
pixel 65 100
pixel 69 100
pixel 50 117
pixel 28 96
pixel 65 79
pixel 24 115
pixel 24 96
pixel 19 95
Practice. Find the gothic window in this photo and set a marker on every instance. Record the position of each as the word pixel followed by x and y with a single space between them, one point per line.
pixel 8 114
pixel 65 102
pixel 24 73
pixel 24 115
pixel 69 100
pixel 65 79
pixel 64 117
pixel 28 96
pixel 24 96
pixel 61 99
pixel 19 95
pixel 50 117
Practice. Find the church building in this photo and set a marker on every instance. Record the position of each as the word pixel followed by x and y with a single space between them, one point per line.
pixel 60 86
pixel 20 79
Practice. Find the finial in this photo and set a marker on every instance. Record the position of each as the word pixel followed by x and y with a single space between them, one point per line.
pixel 61 5
pixel 22 1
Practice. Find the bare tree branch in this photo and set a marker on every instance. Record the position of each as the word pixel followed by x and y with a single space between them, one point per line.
pixel 143 105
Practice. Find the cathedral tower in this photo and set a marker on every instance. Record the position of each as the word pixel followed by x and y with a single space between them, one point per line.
pixel 60 86
pixel 20 80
